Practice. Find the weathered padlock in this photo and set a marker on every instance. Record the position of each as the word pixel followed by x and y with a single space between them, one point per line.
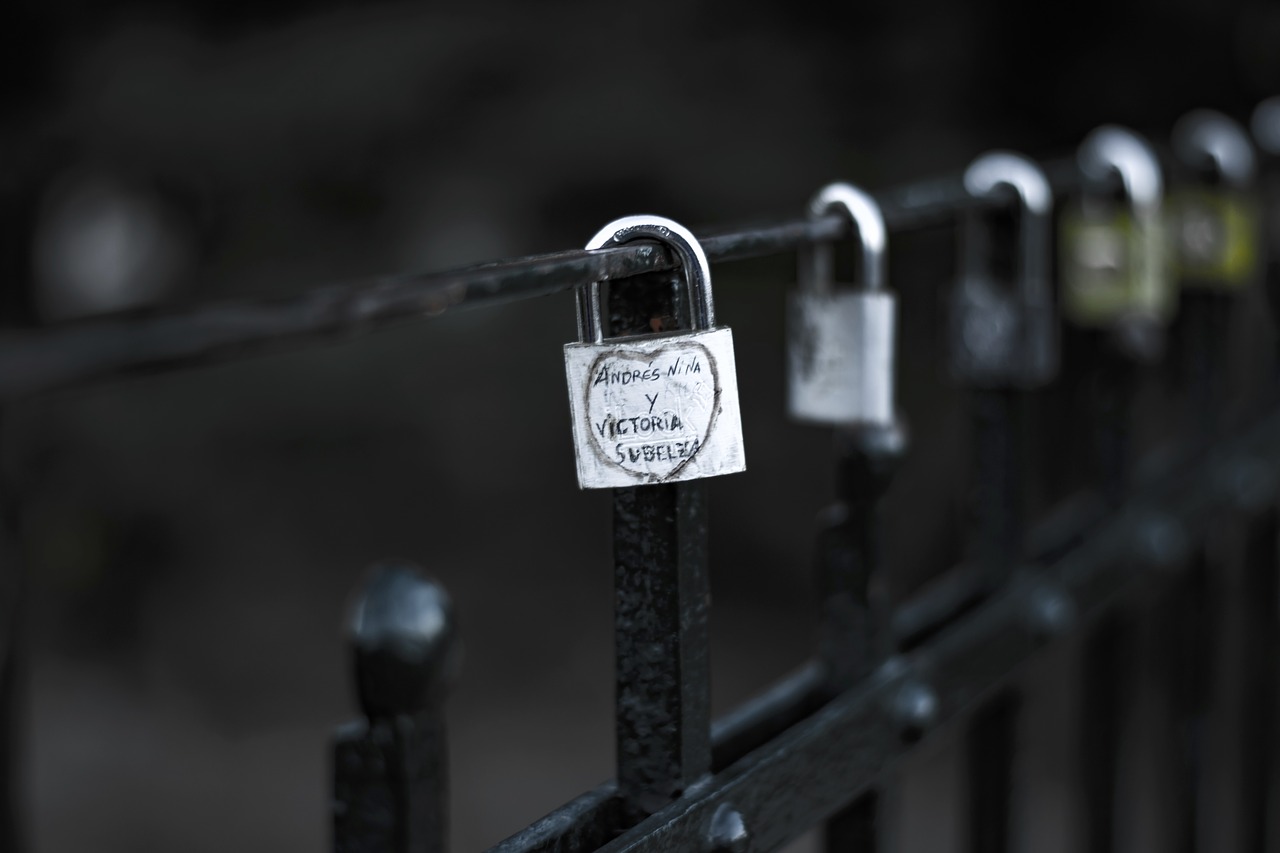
pixel 659 408
pixel 840 339
pixel 1214 222
pixel 1113 258
pixel 1004 333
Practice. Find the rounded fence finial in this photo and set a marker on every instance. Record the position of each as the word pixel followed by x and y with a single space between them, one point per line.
pixel 402 633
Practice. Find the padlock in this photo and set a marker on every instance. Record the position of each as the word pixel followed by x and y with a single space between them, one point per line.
pixel 1004 333
pixel 660 408
pixel 840 339
pixel 1214 222
pixel 1114 263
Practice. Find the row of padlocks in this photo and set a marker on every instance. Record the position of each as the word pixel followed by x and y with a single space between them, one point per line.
pixel 663 408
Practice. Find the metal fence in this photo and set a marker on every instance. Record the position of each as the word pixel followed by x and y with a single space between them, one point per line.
pixel 1169 556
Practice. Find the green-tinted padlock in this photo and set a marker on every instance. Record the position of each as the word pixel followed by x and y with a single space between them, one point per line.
pixel 1215 223
pixel 1113 255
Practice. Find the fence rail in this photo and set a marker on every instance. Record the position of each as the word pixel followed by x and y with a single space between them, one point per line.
pixel 82 353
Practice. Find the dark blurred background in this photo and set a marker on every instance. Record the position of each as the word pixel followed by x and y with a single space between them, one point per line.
pixel 190 540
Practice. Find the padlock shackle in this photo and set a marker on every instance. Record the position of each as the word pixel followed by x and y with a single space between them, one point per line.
pixel 1111 150
pixel 1000 171
pixel 1265 124
pixel 817 260
pixel 693 263
pixel 1207 137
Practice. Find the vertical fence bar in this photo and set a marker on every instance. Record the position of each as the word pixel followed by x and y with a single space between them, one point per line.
pixel 996 493
pixel 13 595
pixel 1101 694
pixel 851 580
pixel 1177 642
pixel 1260 643
pixel 661 604
pixel 390 769
pixel 11 719
pixel 850 555
pixel 997 547
pixel 989 755
pixel 1238 743
pixel 1113 381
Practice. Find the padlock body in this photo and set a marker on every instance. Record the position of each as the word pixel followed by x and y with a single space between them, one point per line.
pixel 654 408
pixel 1215 233
pixel 840 356
pixel 1114 268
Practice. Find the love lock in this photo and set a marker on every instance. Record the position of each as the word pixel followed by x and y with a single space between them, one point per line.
pixel 1113 259
pixel 840 339
pixel 659 408
pixel 1004 332
pixel 1215 222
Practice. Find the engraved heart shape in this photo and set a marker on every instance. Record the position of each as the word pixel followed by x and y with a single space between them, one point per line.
pixel 650 411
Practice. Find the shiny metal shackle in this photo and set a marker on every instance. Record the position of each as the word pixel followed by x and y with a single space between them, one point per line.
pixel 693 264
pixel 1207 137
pixel 998 171
pixel 1265 124
pixel 1113 151
pixel 817 261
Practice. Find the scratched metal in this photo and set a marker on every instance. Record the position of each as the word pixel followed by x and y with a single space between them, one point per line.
pixel 655 409
pixel 840 356
pixel 390 780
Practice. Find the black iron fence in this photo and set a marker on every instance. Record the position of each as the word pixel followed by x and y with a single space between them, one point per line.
pixel 1168 554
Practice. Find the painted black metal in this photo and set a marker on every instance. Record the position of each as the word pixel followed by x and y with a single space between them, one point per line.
pixel 1257 646
pixel 661 603
pixel 854 631
pixel 852 580
pixel 822 764
pixel 11 726
pixel 989 757
pixel 996 494
pixel 390 780
pixel 1101 696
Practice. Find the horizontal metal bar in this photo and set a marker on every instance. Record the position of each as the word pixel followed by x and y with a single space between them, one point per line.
pixel 591 819
pixel 821 764
pixel 584 823
pixel 761 718
pixel 80 353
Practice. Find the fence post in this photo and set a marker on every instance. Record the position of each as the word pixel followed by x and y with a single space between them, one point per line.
pixel 11 721
pixel 854 633
pixel 390 769
pixel 662 597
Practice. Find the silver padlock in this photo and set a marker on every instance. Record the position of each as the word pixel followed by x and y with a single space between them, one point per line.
pixel 1004 333
pixel 659 408
pixel 840 339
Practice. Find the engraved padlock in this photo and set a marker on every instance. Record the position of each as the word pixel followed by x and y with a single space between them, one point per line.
pixel 1114 262
pixel 840 338
pixel 1214 222
pixel 1003 325
pixel 660 408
